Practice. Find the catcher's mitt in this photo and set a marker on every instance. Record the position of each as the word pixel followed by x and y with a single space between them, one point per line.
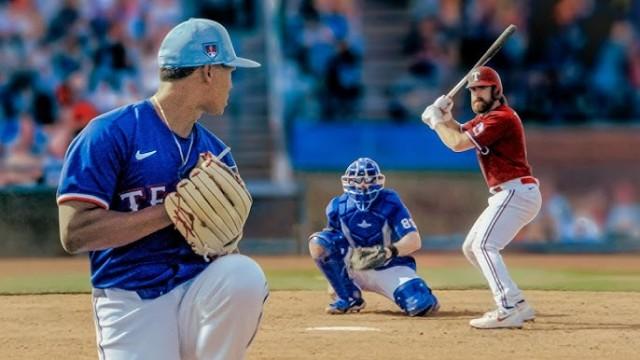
pixel 366 258
pixel 210 207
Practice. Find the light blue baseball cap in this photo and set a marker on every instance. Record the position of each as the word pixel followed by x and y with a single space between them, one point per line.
pixel 197 42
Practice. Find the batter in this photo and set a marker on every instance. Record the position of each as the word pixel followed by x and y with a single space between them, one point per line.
pixel 497 135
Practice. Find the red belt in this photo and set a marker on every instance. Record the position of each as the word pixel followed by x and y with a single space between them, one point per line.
pixel 524 180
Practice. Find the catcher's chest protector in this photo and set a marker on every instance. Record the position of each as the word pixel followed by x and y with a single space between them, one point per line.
pixel 370 227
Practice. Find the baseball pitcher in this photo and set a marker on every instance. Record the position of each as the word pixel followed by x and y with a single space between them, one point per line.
pixel 497 135
pixel 157 201
pixel 367 245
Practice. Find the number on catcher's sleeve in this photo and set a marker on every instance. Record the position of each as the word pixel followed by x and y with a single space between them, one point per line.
pixel 408 223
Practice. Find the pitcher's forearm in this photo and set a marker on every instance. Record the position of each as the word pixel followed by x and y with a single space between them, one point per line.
pixel 88 229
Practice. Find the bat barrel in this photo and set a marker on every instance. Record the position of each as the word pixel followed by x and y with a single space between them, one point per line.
pixel 493 49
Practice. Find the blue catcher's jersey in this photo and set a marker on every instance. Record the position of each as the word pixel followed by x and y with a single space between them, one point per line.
pixel 385 222
pixel 127 160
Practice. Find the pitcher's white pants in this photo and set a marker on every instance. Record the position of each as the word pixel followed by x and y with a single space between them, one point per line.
pixel 213 316
pixel 509 210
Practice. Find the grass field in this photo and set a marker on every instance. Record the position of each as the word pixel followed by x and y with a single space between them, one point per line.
pixel 468 278
pixel 442 271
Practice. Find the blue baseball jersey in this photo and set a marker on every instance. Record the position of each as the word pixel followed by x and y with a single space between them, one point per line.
pixel 127 160
pixel 385 222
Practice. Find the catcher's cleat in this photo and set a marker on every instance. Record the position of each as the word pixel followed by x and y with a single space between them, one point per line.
pixel 497 319
pixel 434 310
pixel 342 306
pixel 527 313
pixel 430 311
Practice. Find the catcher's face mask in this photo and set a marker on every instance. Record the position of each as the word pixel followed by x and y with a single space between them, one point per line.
pixel 362 181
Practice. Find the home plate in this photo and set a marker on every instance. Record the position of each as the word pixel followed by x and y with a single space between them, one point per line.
pixel 342 328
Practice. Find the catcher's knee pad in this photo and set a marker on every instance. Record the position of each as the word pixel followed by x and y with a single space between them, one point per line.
pixel 415 298
pixel 332 242
pixel 332 263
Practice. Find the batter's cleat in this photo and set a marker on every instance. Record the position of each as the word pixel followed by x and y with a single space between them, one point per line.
pixel 498 319
pixel 527 313
pixel 342 306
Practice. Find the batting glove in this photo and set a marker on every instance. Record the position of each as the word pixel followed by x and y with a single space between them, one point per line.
pixel 444 103
pixel 432 116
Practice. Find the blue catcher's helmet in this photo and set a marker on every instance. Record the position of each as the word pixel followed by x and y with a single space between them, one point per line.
pixel 362 181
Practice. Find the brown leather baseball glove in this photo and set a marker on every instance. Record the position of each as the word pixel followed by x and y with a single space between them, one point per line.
pixel 210 207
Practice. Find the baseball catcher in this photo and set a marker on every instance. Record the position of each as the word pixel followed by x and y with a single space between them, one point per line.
pixel 367 245
pixel 210 207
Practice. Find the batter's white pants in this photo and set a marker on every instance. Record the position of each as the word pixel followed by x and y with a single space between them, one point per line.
pixel 509 210
pixel 213 316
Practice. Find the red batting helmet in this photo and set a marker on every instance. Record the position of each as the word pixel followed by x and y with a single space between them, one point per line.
pixel 485 76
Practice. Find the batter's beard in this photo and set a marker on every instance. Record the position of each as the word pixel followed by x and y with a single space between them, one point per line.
pixel 480 106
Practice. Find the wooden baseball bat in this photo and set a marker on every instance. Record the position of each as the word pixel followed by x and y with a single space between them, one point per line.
pixel 493 49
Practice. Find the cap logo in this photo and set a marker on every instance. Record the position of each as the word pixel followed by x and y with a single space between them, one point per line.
pixel 210 49
pixel 475 75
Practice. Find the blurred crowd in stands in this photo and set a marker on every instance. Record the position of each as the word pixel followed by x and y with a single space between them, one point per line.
pixel 64 62
pixel 323 41
pixel 596 216
pixel 570 61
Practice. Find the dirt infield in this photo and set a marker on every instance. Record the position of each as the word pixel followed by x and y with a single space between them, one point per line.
pixel 570 325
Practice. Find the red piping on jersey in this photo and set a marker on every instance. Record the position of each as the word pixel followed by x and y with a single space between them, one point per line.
pixel 83 199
